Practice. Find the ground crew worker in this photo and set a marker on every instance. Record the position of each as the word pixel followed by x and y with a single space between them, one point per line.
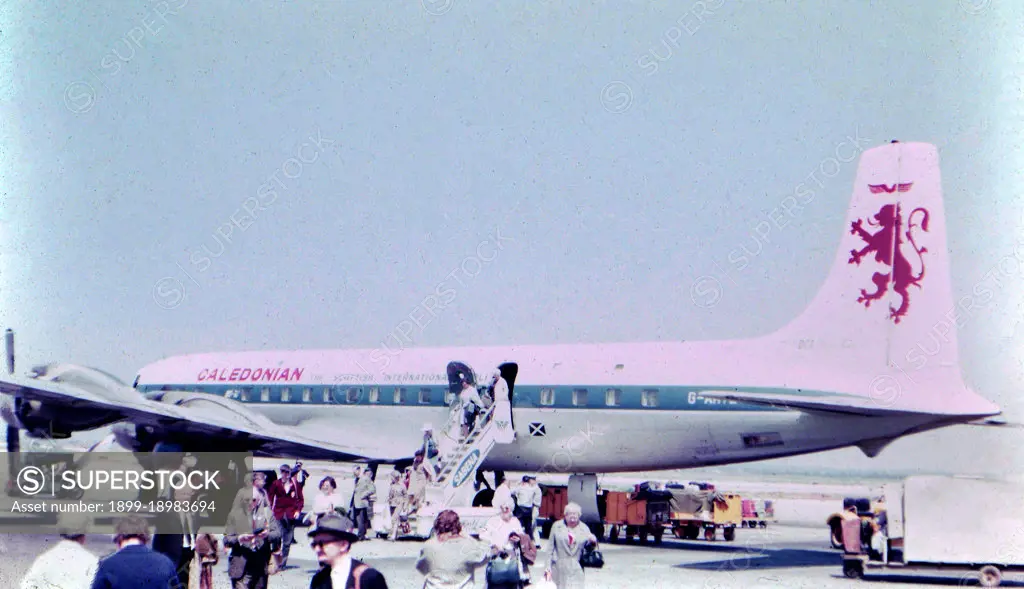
pixel 527 495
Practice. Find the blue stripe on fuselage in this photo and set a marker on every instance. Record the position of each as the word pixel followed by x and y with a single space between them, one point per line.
pixel 669 398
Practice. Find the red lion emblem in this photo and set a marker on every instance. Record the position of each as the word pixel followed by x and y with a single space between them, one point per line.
pixel 886 244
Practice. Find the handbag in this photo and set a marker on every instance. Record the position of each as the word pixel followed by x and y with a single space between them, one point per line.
pixel 502 571
pixel 591 558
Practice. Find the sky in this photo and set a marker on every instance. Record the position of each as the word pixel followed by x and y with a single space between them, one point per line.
pixel 181 177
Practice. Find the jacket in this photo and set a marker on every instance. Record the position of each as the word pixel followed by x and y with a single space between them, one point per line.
pixel 285 503
pixel 135 567
pixel 369 579
pixel 364 493
pixel 249 559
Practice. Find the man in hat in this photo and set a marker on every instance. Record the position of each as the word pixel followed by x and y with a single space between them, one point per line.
pixel 67 563
pixel 332 543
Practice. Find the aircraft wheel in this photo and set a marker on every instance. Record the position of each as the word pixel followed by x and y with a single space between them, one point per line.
pixel 483 498
pixel 990 576
pixel 729 533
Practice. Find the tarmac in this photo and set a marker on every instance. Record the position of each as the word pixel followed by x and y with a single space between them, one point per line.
pixel 792 552
pixel 778 556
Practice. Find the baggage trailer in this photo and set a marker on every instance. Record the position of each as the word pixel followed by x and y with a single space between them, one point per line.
pixel 694 510
pixel 970 526
pixel 643 513
pixel 757 513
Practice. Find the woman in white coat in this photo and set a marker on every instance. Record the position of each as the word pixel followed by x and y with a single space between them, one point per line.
pixel 568 537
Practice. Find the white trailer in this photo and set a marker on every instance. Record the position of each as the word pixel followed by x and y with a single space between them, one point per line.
pixel 966 525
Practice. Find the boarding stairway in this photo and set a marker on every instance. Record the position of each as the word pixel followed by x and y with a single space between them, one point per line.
pixel 460 459
pixel 455 467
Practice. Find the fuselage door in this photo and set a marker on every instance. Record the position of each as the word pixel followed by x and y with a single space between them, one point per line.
pixel 509 371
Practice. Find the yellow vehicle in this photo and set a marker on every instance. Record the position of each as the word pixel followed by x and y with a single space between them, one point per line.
pixel 693 510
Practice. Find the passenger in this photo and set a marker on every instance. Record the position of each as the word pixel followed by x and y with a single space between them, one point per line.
pixel 419 478
pixel 470 403
pixel 568 538
pixel 500 388
pixel 362 499
pixel 134 565
pixel 250 533
pixel 327 501
pixel 332 543
pixel 449 559
pixel 356 473
pixel 207 547
pixel 502 494
pixel 286 501
pixel 430 449
pixel 68 564
pixel 398 494
pixel 507 539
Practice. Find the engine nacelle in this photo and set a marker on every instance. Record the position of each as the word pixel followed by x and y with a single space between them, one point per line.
pixel 42 420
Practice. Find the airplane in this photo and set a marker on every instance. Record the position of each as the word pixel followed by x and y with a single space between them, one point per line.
pixel 872 358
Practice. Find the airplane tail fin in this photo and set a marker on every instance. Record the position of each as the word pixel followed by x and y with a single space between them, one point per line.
pixel 885 319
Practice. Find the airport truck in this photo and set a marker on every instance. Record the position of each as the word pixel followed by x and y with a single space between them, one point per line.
pixel 965 525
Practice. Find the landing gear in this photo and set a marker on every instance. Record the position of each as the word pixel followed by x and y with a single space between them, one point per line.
pixel 853 569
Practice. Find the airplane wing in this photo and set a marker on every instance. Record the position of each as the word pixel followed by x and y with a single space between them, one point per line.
pixel 211 421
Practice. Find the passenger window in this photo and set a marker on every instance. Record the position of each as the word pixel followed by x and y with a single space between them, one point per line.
pixel 375 394
pixel 326 395
pixel 307 395
pixel 649 398
pixel 245 395
pixel 579 397
pixel 399 396
pixel 352 395
pixel 265 395
pixel 286 395
pixel 425 396
pixel 613 397
pixel 449 398
pixel 547 397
